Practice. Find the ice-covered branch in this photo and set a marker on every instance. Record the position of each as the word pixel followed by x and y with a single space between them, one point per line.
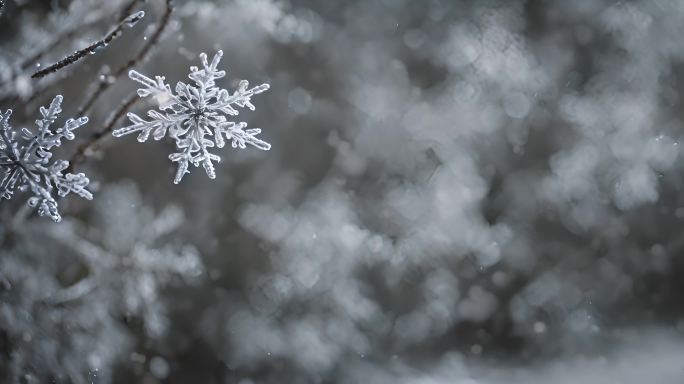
pixel 93 48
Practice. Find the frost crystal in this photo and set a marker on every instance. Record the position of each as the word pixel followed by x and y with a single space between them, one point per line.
pixel 193 113
pixel 25 161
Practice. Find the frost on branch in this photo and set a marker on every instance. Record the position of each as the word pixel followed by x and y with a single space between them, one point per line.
pixel 25 161
pixel 93 48
pixel 195 113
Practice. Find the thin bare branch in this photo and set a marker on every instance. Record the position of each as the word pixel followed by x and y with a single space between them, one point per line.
pixel 83 150
pixel 93 48
pixel 107 80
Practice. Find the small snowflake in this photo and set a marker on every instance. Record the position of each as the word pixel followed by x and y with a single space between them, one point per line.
pixel 25 161
pixel 193 113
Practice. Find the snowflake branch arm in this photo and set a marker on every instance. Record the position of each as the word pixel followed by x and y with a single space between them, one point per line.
pixel 48 138
pixel 11 176
pixel 49 114
pixel 183 159
pixel 8 146
pixel 242 98
pixel 206 158
pixel 70 182
pixel 209 73
pixel 159 125
pixel 239 136
pixel 156 88
pixel 42 198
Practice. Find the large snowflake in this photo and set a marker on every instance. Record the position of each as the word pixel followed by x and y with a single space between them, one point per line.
pixel 25 161
pixel 193 113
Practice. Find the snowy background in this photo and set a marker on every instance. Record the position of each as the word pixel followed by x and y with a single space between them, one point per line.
pixel 458 192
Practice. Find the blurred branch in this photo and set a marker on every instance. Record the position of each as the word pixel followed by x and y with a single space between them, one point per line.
pixel 72 293
pixel 106 81
pixel 20 217
pixel 84 149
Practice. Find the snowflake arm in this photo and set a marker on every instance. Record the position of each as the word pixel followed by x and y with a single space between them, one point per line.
pixel 239 136
pixel 158 126
pixel 25 161
pixel 195 116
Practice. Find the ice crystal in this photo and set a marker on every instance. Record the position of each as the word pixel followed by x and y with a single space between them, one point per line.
pixel 194 112
pixel 25 161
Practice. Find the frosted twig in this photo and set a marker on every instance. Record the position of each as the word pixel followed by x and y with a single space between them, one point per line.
pixel 62 37
pixel 66 35
pixel 93 48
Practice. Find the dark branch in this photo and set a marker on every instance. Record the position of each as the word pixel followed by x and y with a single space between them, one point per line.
pixel 107 80
pixel 83 150
pixel 70 34
pixel 93 48
pixel 66 35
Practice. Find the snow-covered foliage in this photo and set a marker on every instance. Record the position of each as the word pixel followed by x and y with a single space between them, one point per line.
pixel 489 192
pixel 132 254
pixel 26 162
pixel 194 114
pixel 69 315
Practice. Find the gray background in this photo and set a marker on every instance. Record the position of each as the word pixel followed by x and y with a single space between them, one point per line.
pixel 458 192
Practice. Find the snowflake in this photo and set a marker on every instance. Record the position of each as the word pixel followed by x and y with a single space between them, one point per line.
pixel 25 161
pixel 193 113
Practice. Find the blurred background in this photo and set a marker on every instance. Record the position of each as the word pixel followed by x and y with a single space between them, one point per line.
pixel 457 192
